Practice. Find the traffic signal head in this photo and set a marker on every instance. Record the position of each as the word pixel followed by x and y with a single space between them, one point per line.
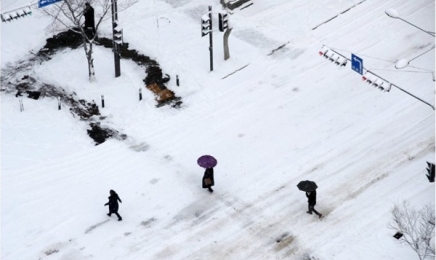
pixel 223 21
pixel 205 25
pixel 15 14
pixel 431 171
pixel 377 82
pixel 118 33
pixel 333 56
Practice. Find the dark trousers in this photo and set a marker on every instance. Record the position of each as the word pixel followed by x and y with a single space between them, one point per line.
pixel 116 213
pixel 89 31
pixel 312 209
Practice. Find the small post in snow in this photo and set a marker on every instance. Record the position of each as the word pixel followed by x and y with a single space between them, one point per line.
pixel 21 104
pixel 177 80
pixel 140 94
pixel 59 103
pixel 102 101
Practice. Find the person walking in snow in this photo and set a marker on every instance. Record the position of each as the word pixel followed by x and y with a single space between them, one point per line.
pixel 311 195
pixel 88 13
pixel 208 180
pixel 113 204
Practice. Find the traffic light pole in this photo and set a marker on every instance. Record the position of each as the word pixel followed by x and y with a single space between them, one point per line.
pixel 210 39
pixel 116 46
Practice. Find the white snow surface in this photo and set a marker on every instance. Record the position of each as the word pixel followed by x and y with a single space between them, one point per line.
pixel 285 117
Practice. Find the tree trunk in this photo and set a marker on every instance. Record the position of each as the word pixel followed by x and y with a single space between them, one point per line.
pixel 91 63
pixel 226 43
pixel 88 52
pixel 223 3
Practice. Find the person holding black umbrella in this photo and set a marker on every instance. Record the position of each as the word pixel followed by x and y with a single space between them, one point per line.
pixel 311 195
pixel 310 188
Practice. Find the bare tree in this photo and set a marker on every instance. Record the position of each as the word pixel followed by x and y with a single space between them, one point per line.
pixel 417 228
pixel 68 15
pixel 224 3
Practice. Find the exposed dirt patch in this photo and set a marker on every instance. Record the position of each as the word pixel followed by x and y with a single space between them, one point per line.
pixel 284 241
pixel 85 110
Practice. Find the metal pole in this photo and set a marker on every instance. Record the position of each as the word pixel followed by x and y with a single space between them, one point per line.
pixel 392 84
pixel 115 45
pixel 210 39
pixel 410 94
pixel 427 32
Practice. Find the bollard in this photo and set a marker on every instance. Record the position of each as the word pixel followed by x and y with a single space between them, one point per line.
pixel 102 101
pixel 59 103
pixel 140 94
pixel 177 80
pixel 21 104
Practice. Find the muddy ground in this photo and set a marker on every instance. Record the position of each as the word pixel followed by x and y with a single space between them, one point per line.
pixel 87 111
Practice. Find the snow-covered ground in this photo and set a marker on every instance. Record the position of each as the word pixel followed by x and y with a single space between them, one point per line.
pixel 285 117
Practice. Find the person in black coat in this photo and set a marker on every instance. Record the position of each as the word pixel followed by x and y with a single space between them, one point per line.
pixel 88 13
pixel 208 180
pixel 311 195
pixel 113 204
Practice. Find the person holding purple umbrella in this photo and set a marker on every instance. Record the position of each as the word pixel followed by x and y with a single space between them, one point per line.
pixel 208 180
pixel 208 162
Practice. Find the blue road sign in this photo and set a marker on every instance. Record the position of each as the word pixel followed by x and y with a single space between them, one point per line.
pixel 356 64
pixel 42 3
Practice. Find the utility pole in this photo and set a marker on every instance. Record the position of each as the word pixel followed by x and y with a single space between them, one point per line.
pixel 210 39
pixel 116 46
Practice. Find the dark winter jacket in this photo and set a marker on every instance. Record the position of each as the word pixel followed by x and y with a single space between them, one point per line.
pixel 311 197
pixel 113 203
pixel 208 174
pixel 89 16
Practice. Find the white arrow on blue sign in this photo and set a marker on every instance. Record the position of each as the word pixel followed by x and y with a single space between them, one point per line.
pixel 356 64
pixel 43 3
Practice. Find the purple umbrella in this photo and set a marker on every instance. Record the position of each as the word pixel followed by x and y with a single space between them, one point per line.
pixel 207 161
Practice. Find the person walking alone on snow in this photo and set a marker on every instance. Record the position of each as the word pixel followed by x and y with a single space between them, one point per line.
pixel 208 180
pixel 113 204
pixel 311 195
pixel 88 13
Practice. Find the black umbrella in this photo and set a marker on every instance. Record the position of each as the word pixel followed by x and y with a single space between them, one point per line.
pixel 307 186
